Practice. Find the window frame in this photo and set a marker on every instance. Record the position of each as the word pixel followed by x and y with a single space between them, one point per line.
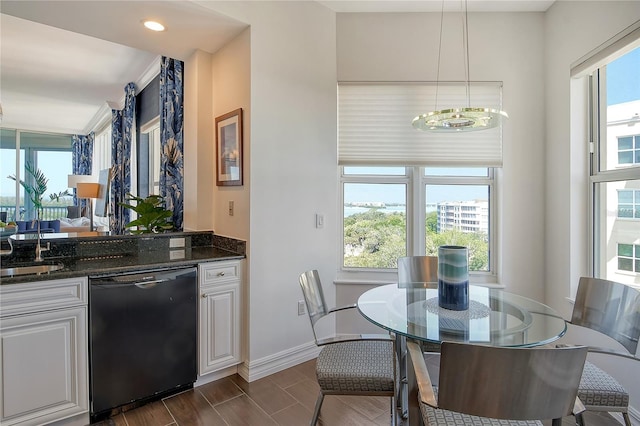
pixel 30 150
pixel 597 140
pixel 416 181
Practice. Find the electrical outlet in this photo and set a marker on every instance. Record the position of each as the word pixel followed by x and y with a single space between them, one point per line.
pixel 301 307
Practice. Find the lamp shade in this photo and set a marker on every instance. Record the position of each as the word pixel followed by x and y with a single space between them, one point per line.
pixel 88 190
pixel 74 180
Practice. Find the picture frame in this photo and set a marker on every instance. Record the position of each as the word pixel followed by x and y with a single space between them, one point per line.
pixel 229 150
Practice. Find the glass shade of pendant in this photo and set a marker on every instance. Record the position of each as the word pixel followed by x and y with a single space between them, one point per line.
pixel 459 120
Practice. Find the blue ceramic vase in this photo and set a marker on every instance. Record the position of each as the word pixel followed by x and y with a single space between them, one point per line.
pixel 453 277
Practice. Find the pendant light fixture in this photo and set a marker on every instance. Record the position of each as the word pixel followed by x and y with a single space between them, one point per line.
pixel 464 118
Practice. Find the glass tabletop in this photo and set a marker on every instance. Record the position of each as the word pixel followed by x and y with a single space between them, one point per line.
pixel 494 317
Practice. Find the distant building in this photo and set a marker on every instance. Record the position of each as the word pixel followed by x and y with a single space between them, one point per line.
pixel 620 201
pixel 466 216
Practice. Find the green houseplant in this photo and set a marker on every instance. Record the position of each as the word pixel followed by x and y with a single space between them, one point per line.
pixel 152 216
pixel 37 189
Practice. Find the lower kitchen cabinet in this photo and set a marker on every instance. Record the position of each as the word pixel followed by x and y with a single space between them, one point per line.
pixel 220 320
pixel 43 344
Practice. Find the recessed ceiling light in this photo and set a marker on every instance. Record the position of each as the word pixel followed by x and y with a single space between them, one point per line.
pixel 153 25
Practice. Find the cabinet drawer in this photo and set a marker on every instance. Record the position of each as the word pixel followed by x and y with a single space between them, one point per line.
pixel 42 296
pixel 219 272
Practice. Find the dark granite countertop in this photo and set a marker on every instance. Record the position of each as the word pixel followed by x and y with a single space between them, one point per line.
pixel 117 256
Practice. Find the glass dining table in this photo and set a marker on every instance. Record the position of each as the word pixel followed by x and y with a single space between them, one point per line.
pixel 494 317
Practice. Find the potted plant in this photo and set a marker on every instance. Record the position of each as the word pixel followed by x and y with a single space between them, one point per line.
pixel 37 190
pixel 152 216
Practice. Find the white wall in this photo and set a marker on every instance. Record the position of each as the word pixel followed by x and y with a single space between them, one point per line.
pixel 572 30
pixel 504 47
pixel 231 89
pixel 293 171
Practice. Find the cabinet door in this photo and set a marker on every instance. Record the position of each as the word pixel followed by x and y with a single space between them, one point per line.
pixel 219 327
pixel 44 365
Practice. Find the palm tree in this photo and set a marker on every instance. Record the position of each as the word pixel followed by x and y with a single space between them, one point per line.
pixel 37 190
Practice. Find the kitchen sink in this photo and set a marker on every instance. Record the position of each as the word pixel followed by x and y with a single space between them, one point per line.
pixel 30 270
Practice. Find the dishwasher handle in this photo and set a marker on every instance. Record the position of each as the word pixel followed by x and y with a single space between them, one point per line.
pixel 142 280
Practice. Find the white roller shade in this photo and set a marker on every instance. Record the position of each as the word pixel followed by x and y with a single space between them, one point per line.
pixel 374 125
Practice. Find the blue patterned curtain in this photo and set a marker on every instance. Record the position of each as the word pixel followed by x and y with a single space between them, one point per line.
pixel 171 137
pixel 82 160
pixel 122 126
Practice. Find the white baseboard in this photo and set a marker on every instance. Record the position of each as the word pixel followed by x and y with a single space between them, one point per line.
pixel 257 369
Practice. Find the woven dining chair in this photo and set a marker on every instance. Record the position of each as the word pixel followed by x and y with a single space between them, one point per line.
pixel 417 272
pixel 348 364
pixel 613 309
pixel 488 385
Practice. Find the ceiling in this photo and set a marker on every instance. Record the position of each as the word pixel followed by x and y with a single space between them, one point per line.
pixel 62 61
pixel 437 5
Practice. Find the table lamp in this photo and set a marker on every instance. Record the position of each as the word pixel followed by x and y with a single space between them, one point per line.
pixel 91 191
pixel 72 182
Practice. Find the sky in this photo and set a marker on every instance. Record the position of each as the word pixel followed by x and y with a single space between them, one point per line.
pixel 623 78
pixel 56 166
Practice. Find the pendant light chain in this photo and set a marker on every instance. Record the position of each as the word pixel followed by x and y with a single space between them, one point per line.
pixel 465 41
pixel 465 118
pixel 439 53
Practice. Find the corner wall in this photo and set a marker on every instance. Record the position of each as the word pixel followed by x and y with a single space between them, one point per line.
pixel 230 90
pixel 573 29
pixel 292 172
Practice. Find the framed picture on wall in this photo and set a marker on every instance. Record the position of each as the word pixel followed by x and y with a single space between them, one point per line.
pixel 229 149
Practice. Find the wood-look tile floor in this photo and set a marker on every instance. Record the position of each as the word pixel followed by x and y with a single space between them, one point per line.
pixel 286 398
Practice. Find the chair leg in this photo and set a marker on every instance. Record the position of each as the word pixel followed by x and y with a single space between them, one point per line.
pixel 316 412
pixel 627 420
pixel 394 412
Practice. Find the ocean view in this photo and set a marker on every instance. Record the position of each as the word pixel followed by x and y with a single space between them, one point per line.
pixel 351 210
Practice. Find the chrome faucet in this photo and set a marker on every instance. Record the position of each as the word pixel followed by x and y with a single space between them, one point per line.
pixel 39 248
pixel 10 251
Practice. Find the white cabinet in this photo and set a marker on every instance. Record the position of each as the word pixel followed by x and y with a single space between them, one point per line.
pixel 219 325
pixel 43 348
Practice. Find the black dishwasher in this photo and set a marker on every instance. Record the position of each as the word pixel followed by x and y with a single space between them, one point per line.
pixel 142 338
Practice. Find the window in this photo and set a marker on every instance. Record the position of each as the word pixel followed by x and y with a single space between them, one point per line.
pixel 615 165
pixel 459 205
pixel 375 216
pixel 628 204
pixel 629 257
pixel 443 193
pixel 102 151
pixel 51 153
pixel 629 150
pixel 149 161
pixel 384 217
